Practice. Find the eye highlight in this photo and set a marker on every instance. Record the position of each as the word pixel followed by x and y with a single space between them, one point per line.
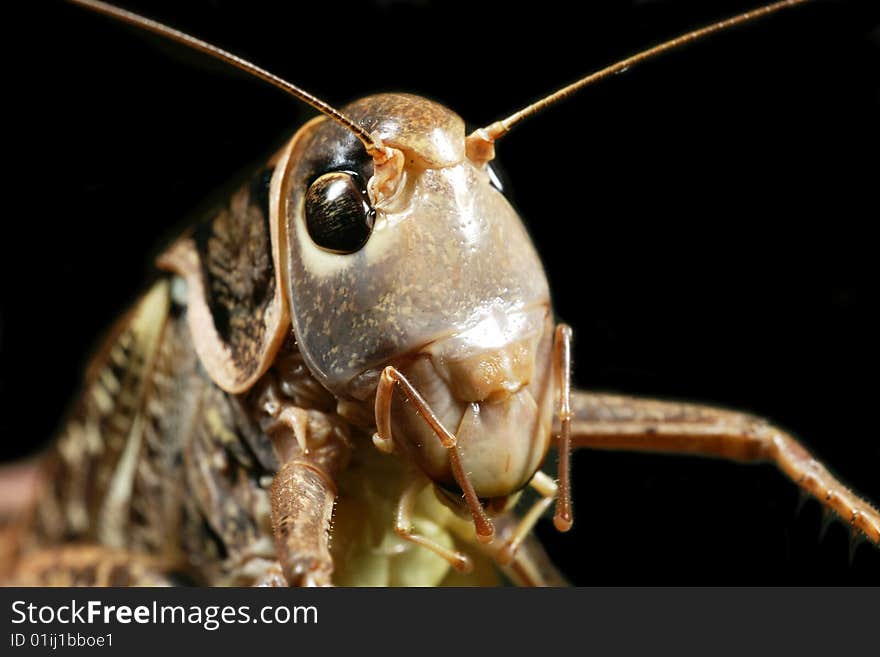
pixel 339 217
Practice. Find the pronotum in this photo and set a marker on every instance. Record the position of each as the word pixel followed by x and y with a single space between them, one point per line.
pixel 489 114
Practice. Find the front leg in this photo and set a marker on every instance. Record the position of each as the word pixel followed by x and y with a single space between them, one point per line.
pixel 312 447
pixel 302 507
pixel 626 423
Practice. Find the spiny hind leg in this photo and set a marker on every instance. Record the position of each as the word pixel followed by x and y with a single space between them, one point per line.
pixel 626 423
pixel 87 565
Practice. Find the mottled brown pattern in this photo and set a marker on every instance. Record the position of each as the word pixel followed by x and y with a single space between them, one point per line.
pixel 236 313
pixel 236 260
pixel 103 422
pixel 156 510
pixel 196 503
pixel 223 478
pixel 89 565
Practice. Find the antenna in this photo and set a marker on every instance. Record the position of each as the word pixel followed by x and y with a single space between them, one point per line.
pixel 374 147
pixel 480 143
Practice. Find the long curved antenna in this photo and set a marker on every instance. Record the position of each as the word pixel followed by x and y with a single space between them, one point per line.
pixel 479 143
pixel 374 148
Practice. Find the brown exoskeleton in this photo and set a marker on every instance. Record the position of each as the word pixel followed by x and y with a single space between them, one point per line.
pixel 475 371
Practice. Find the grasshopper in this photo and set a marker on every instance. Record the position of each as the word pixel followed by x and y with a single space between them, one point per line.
pixel 253 550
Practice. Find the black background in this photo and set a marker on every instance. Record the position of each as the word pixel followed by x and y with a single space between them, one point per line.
pixel 705 221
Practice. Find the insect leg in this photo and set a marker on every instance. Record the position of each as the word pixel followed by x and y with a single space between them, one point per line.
pixel 302 507
pixel 312 447
pixel 627 423
pixel 546 487
pixel 87 565
pixel 562 373
pixel 404 528
pixel 384 441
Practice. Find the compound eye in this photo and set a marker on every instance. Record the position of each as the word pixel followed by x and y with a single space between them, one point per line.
pixel 339 217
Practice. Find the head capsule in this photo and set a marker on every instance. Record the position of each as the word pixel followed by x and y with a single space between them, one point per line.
pixel 439 279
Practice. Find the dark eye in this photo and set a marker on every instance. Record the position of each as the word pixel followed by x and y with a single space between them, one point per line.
pixel 338 213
